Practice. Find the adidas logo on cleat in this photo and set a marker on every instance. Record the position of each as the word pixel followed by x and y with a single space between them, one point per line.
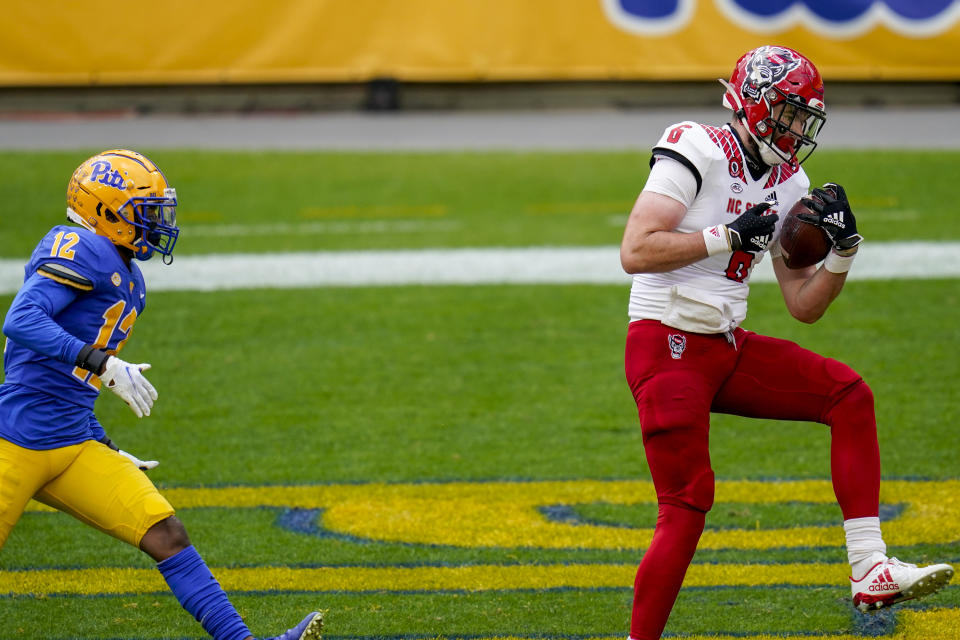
pixel 890 582
pixel 884 583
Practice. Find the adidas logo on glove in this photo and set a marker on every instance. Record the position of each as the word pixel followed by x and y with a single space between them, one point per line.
pixel 836 219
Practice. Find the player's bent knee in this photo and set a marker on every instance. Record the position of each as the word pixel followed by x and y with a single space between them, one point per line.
pixel 164 539
pixel 860 395
pixel 856 399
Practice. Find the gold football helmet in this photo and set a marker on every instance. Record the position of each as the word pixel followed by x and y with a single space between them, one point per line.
pixel 122 195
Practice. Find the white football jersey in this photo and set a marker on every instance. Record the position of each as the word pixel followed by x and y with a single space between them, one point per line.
pixel 710 296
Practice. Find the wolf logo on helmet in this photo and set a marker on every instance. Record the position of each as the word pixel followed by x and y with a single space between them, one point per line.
pixel 765 68
pixel 122 195
pixel 778 95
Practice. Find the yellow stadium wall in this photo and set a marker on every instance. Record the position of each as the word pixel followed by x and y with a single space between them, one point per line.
pixel 92 42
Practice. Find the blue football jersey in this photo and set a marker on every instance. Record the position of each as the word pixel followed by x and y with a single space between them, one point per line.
pixel 82 282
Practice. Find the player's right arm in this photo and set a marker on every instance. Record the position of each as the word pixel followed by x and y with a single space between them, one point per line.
pixel 650 243
pixel 55 284
pixel 30 322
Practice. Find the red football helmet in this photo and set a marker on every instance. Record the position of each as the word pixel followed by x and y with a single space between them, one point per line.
pixel 766 78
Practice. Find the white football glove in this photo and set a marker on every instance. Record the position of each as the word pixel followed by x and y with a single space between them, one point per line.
pixel 127 381
pixel 146 465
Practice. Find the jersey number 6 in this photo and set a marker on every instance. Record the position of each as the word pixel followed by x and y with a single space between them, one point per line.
pixel 676 132
pixel 739 266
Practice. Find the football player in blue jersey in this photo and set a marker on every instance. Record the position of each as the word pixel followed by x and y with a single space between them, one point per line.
pixel 82 294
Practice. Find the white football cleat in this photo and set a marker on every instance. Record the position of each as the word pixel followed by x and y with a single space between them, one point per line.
pixel 892 581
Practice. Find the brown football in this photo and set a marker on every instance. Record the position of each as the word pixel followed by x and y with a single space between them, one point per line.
pixel 803 244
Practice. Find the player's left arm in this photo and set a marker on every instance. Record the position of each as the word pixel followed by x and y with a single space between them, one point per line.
pixel 809 292
pixel 144 465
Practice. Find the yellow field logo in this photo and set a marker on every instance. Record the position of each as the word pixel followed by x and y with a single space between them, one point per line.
pixel 517 515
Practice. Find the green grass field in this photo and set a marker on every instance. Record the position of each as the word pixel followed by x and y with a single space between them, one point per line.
pixel 466 462
pixel 311 201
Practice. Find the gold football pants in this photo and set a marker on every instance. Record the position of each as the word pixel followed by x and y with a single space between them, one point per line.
pixel 89 481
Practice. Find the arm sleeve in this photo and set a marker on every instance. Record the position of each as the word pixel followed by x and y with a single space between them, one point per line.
pixel 673 179
pixel 30 320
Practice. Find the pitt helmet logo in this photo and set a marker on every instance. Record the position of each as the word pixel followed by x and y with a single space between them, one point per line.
pixel 767 67
pixel 104 173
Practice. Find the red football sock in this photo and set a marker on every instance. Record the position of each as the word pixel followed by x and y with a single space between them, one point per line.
pixel 662 570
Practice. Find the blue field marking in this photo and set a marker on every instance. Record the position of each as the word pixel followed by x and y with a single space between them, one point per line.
pixel 875 624
pixel 568 514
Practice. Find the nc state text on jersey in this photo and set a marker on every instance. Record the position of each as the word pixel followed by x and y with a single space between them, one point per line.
pixel 737 206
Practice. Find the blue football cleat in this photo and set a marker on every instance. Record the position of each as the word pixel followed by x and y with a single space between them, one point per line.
pixel 310 628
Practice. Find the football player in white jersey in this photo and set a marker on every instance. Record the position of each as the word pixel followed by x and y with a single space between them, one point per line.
pixel 706 216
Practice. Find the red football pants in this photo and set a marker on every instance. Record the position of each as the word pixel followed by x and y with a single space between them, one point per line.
pixel 677 379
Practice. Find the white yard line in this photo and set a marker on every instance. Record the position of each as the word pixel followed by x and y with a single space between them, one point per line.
pixel 528 265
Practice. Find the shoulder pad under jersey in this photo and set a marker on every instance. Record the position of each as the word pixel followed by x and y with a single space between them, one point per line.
pixel 75 257
pixel 65 275
pixel 687 143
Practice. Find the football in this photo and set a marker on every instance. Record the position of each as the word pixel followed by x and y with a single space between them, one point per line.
pixel 803 244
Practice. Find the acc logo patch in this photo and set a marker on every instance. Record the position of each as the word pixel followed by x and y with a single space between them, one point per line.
pixel 116 279
pixel 736 187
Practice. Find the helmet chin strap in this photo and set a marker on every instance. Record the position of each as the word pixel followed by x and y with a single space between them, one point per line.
pixel 75 217
pixel 768 155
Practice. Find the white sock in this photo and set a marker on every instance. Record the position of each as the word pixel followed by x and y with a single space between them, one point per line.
pixel 865 545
